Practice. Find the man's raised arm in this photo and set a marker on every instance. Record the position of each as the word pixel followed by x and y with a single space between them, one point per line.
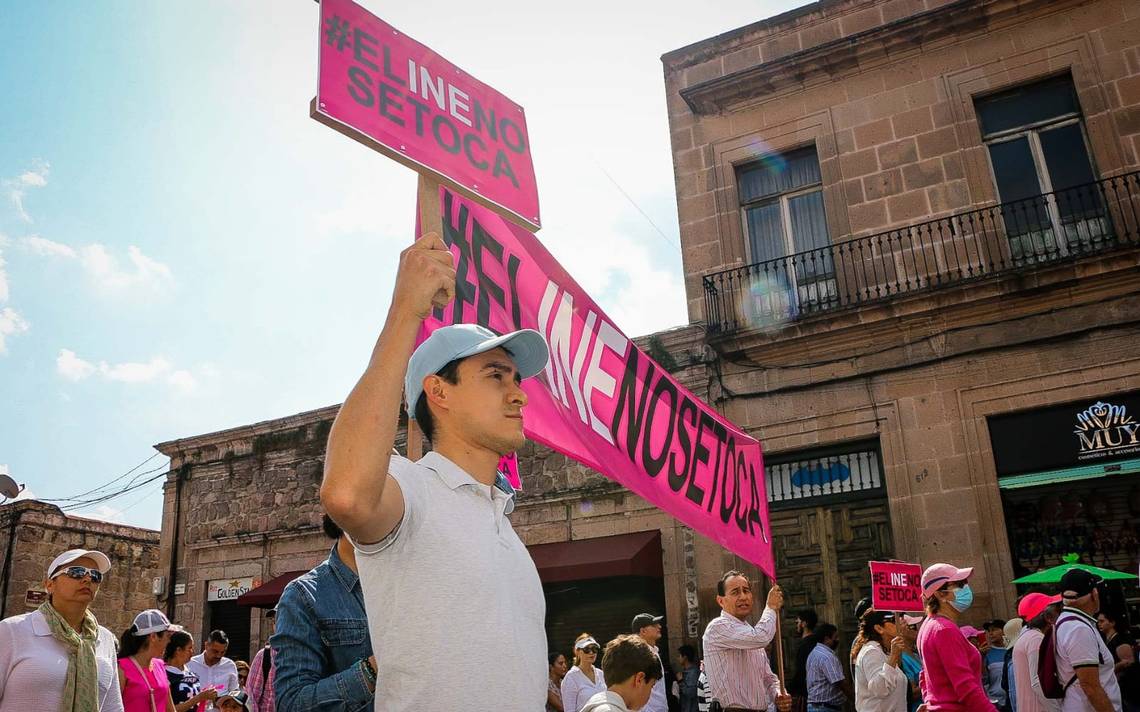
pixel 354 490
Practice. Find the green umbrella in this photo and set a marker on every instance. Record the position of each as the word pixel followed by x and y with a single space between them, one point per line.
pixel 1054 574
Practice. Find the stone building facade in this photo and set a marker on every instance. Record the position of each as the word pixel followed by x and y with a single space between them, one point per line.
pixel 240 508
pixel 909 232
pixel 33 533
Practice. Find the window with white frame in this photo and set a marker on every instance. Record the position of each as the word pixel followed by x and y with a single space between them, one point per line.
pixel 781 201
pixel 1045 180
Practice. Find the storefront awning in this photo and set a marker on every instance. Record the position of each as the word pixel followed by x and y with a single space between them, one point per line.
pixel 1071 474
pixel 267 594
pixel 637 554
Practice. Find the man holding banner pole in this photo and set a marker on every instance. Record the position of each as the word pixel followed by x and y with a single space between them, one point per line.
pixel 444 575
pixel 739 674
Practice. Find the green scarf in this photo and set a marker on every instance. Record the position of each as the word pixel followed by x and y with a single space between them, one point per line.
pixel 81 690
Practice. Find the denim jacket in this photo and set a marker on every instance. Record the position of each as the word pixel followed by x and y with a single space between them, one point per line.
pixel 321 636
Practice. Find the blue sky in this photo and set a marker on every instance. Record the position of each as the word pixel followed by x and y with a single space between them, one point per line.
pixel 182 249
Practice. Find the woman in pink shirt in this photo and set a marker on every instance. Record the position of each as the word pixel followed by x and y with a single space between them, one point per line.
pixel 951 677
pixel 142 672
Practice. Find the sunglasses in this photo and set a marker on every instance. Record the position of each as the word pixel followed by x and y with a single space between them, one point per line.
pixel 591 650
pixel 79 572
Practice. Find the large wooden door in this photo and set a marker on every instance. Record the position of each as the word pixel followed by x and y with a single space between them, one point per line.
pixel 821 558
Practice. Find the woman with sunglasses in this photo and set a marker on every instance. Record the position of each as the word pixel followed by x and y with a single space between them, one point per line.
pixel 880 684
pixel 584 680
pixel 58 657
pixel 952 667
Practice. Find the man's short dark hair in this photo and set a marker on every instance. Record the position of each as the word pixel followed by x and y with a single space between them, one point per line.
pixel 809 617
pixel 219 636
pixel 332 529
pixel 724 579
pixel 995 623
pixel 688 652
pixel 449 373
pixel 627 655
pixel 823 631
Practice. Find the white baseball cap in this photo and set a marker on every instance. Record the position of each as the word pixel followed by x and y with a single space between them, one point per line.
pixel 102 562
pixel 151 621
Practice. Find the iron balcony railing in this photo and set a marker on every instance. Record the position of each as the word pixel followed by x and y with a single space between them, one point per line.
pixel 1045 229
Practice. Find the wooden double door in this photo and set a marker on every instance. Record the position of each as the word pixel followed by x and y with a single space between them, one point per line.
pixel 821 558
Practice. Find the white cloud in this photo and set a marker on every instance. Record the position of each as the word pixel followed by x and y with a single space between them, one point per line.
pixel 157 370
pixel 357 214
pixel 36 178
pixel 103 512
pixel 71 367
pixel 47 248
pixel 10 323
pixel 135 372
pixel 17 188
pixel 183 380
pixel 104 269
pixel 3 280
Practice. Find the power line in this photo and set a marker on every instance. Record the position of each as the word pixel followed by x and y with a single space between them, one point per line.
pixel 638 207
pixel 106 484
pixel 115 495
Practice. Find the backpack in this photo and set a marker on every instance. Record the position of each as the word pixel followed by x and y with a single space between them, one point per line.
pixel 1047 671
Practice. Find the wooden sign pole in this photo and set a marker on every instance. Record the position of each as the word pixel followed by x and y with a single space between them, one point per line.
pixel 780 653
pixel 430 221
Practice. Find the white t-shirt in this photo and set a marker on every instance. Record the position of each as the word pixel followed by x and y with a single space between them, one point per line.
pixel 33 666
pixel 450 586
pixel 1079 644
pixel 221 676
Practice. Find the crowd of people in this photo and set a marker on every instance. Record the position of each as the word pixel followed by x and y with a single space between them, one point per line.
pixel 1056 655
pixel 425 564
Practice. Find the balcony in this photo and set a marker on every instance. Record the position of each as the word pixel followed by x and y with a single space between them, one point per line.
pixel 1021 235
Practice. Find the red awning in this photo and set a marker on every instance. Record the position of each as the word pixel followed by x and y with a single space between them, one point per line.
pixel 637 554
pixel 267 594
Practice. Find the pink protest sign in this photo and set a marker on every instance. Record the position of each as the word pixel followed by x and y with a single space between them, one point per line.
pixel 601 400
pixel 509 466
pixel 384 89
pixel 896 586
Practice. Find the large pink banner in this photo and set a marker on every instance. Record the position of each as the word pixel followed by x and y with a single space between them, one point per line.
pixel 602 401
pixel 398 96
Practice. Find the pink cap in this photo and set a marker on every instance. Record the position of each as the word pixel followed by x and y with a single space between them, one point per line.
pixel 969 631
pixel 938 575
pixel 1032 604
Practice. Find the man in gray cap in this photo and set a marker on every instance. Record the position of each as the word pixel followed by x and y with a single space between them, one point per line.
pixel 446 580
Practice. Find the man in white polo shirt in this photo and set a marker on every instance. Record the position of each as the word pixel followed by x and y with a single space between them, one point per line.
pixel 446 580
pixel 1084 662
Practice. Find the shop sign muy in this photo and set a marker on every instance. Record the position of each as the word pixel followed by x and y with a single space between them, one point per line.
pixel 230 589
pixel 1090 432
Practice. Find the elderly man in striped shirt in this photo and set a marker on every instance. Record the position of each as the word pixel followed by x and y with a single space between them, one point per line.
pixel 739 675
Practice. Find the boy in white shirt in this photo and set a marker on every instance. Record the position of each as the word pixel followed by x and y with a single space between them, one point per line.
pixel 634 668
